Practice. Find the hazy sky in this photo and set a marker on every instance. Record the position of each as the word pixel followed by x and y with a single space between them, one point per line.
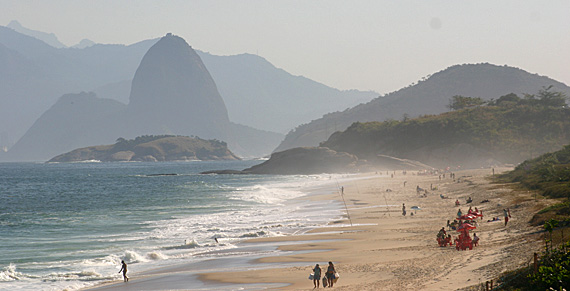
pixel 367 45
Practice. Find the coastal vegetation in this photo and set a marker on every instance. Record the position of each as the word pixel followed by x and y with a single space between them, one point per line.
pixel 507 130
pixel 152 148
pixel 549 176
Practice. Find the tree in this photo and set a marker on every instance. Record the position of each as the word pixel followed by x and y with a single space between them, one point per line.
pixel 511 98
pixel 548 98
pixel 460 102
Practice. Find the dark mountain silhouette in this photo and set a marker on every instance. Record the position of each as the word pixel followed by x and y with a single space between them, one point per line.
pixel 172 93
pixel 428 96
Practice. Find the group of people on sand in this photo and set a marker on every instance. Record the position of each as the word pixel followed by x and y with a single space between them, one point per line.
pixel 458 223
pixel 330 276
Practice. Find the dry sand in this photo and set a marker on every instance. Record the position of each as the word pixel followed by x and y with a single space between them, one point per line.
pixel 385 250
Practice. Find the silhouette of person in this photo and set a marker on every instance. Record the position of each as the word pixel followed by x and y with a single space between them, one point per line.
pixel 124 270
pixel 316 276
pixel 330 274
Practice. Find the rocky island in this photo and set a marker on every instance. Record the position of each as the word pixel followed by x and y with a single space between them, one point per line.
pixel 151 149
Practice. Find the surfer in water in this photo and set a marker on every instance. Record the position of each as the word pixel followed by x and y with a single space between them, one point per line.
pixel 124 270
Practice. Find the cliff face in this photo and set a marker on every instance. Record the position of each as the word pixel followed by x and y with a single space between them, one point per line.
pixel 172 91
pixel 168 148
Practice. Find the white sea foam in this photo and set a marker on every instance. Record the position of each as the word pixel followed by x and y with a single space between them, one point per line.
pixel 231 210
pixel 155 256
pixel 133 257
pixel 10 274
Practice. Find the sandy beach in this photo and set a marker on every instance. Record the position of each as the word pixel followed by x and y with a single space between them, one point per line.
pixel 384 250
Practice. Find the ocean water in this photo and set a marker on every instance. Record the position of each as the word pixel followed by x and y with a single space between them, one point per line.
pixel 68 226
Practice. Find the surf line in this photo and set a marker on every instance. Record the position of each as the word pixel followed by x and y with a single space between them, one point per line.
pixel 345 207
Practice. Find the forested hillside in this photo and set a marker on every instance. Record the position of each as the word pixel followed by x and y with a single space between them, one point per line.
pixel 508 130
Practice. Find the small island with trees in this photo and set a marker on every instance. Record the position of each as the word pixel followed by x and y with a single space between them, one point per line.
pixel 151 148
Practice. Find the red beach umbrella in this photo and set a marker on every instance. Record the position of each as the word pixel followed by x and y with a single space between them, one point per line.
pixel 465 226
pixel 468 217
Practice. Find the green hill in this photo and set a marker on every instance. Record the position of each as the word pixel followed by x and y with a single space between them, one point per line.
pixel 428 96
pixel 152 148
pixel 506 131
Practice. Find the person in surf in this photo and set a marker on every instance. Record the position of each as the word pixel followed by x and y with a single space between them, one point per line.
pixel 124 270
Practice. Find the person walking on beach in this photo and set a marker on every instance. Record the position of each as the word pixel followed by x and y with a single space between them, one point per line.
pixel 316 276
pixel 124 270
pixel 404 209
pixel 330 274
pixel 507 215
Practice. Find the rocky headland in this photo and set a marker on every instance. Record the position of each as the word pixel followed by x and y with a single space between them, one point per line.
pixel 317 160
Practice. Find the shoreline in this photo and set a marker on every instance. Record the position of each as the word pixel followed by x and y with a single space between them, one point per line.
pixel 184 275
pixel 383 250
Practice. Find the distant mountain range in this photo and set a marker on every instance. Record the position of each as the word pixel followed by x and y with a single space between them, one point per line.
pixel 430 95
pixel 256 95
pixel 172 93
pixel 34 74
pixel 48 38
